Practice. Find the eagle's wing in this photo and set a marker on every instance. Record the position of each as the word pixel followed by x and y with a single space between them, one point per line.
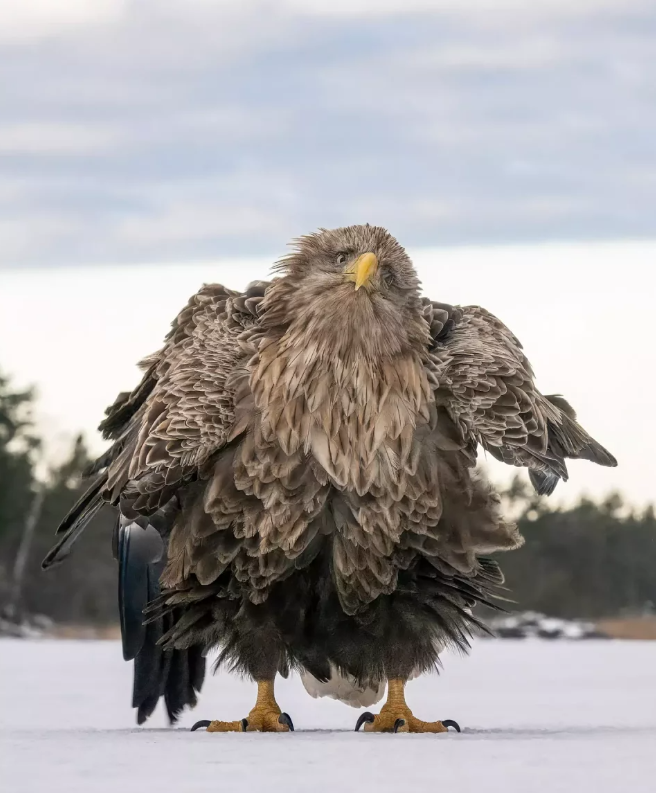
pixel 181 413
pixel 486 383
pixel 192 397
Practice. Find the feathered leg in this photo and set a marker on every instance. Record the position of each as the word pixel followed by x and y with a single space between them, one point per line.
pixel 266 716
pixel 396 716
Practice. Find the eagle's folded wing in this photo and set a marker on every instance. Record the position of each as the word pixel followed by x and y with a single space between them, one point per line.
pixel 486 384
pixel 181 413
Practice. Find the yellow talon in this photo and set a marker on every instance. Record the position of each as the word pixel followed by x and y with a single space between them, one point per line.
pixel 266 716
pixel 224 726
pixel 396 716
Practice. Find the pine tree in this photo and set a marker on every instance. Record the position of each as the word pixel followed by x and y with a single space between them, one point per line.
pixel 18 449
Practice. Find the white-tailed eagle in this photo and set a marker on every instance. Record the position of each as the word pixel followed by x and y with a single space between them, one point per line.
pixel 295 479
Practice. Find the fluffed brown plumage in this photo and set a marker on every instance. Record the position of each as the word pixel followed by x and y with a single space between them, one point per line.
pixel 306 450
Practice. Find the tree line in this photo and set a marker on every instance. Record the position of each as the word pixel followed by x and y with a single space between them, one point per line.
pixel 589 560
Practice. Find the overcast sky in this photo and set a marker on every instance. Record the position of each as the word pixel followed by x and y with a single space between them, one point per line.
pixel 147 146
pixel 161 130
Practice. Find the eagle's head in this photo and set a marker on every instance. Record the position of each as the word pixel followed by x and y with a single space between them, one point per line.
pixel 355 289
pixel 339 368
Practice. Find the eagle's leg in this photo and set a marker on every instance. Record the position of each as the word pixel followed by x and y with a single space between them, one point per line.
pixel 266 716
pixel 396 716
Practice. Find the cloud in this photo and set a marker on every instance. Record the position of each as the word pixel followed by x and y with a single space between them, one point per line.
pixel 185 222
pixel 517 55
pixel 53 138
pixel 21 242
pixel 156 130
pixel 483 9
pixel 36 19
pixel 29 19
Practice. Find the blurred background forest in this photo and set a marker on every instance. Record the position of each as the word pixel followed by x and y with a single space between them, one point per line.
pixel 591 560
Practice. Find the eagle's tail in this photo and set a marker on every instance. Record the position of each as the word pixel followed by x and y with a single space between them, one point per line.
pixel 175 675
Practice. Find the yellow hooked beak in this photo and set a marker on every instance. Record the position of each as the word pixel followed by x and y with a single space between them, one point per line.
pixel 362 270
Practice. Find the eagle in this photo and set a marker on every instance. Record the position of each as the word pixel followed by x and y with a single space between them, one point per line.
pixel 296 483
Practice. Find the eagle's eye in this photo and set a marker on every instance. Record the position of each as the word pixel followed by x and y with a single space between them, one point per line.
pixel 341 258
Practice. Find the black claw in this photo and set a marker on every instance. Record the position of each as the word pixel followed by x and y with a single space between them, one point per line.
pixel 244 725
pixel 365 718
pixel 199 724
pixel 451 723
pixel 398 724
pixel 285 719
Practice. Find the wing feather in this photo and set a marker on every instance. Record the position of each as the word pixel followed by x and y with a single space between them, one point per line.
pixel 486 383
pixel 181 413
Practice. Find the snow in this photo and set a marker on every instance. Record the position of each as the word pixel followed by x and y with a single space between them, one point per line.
pixel 536 716
pixel 532 624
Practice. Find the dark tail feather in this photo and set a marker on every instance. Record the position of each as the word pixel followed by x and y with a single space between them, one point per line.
pixel 139 554
pixel 179 691
pixel 149 669
pixel 176 675
pixel 75 523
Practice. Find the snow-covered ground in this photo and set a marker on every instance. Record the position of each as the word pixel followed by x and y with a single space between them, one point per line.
pixel 536 716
